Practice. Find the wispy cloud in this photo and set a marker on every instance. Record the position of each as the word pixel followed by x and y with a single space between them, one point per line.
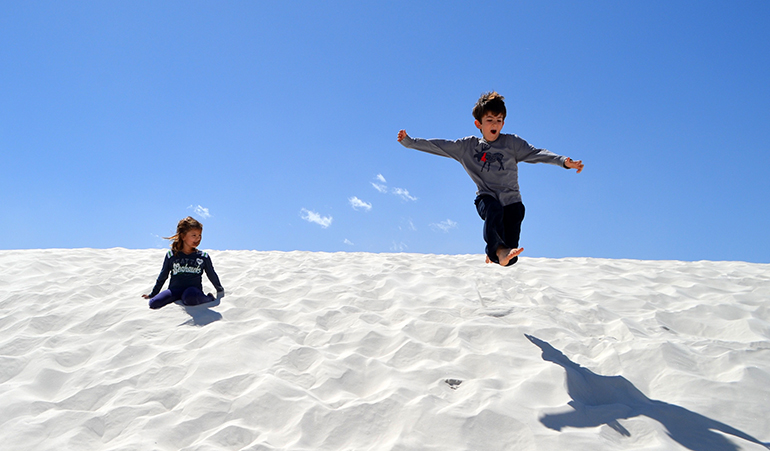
pixel 444 225
pixel 358 204
pixel 348 242
pixel 311 216
pixel 380 185
pixel 203 212
pixel 404 194
pixel 381 188
pixel 408 224
pixel 398 246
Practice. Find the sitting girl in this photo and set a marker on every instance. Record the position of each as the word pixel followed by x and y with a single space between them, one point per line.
pixel 186 265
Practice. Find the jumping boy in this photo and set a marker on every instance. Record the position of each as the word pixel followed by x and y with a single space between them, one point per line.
pixel 491 161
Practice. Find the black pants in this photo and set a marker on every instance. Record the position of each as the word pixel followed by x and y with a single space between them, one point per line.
pixel 502 225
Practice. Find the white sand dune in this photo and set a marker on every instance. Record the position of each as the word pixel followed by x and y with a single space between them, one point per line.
pixel 353 351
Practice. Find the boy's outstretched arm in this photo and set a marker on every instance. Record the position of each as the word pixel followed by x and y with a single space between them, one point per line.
pixel 440 147
pixel 569 163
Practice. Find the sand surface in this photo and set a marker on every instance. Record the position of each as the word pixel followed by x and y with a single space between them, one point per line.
pixel 354 351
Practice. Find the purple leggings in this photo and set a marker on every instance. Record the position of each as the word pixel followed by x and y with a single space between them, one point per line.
pixel 190 296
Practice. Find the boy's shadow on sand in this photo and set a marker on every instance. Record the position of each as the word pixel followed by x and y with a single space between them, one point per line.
pixel 201 315
pixel 598 400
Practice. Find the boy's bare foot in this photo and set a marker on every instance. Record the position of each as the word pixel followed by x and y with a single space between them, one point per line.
pixel 504 255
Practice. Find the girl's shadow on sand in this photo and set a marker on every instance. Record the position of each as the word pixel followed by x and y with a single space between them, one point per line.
pixel 598 400
pixel 201 315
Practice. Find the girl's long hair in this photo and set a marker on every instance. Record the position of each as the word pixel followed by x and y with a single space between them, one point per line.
pixel 184 226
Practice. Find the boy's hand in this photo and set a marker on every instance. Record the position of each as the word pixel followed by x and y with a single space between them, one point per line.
pixel 401 135
pixel 571 164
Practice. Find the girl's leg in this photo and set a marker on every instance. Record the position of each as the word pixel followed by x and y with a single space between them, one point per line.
pixel 491 212
pixel 194 296
pixel 162 299
pixel 513 215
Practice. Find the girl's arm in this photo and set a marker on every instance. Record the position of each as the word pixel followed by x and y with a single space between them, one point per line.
pixel 164 272
pixel 208 267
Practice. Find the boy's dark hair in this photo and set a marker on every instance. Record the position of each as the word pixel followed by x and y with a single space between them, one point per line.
pixel 489 102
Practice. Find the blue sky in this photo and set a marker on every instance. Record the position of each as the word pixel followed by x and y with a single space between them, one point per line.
pixel 275 124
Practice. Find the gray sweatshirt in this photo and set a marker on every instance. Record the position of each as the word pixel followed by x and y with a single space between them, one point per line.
pixel 492 166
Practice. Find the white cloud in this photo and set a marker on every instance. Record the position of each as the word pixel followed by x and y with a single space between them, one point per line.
pixel 311 216
pixel 380 188
pixel 400 192
pixel 404 194
pixel 348 242
pixel 358 204
pixel 444 225
pixel 203 212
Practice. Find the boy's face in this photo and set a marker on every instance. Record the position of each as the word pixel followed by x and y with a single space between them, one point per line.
pixel 490 125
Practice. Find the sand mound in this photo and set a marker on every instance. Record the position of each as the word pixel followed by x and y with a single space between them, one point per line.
pixel 353 351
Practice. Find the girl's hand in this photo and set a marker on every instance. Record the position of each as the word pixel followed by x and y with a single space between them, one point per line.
pixel 146 296
pixel 401 135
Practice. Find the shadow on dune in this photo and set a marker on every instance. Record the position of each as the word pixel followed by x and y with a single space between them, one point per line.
pixel 202 315
pixel 598 400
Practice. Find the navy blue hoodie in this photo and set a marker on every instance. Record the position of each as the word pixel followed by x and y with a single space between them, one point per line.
pixel 186 271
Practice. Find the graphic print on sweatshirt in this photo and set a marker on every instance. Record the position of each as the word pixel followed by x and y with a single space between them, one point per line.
pixel 187 265
pixel 486 158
